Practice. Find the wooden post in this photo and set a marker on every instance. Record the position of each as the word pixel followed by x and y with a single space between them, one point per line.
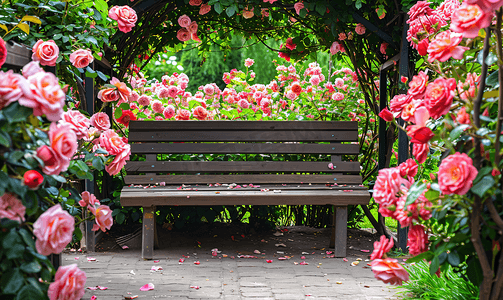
pixel 148 232
pixel 340 230
pixel 89 185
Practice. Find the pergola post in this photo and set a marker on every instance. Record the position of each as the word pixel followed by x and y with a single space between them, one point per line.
pixel 89 185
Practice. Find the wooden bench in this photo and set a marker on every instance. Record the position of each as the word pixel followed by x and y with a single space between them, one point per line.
pixel 281 182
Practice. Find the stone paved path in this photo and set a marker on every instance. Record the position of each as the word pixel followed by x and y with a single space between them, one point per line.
pixel 227 278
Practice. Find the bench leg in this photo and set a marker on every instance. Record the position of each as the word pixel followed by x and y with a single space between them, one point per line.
pixel 147 251
pixel 338 238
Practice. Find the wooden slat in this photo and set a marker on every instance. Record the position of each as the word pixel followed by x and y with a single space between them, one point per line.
pixel 142 197
pixel 241 125
pixel 240 166
pixel 219 188
pixel 244 148
pixel 242 136
pixel 242 179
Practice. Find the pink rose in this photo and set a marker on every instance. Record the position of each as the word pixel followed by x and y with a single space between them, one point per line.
pixel 360 29
pixel 420 152
pixel 248 13
pixel 445 46
pixel 386 115
pixel 45 52
pixel 77 121
pixel 122 89
pixel 112 142
pixel 439 95
pixel 195 2
pixel 69 283
pixel 398 102
pixel 383 48
pixel 103 218
pixel 463 117
pixel 12 208
pixel 63 141
pixel 183 35
pixel 144 100
pixel 447 7
pixel 13 87
pixel 108 95
pixel 469 19
pixel 169 112
pixel 101 121
pixel 419 9
pixel 205 8
pixel 125 17
pixel 200 113
pixel 417 86
pixel 184 21
pixel 53 229
pixel 456 174
pixel 182 114
pixel 389 271
pixel 419 134
pixel 417 240
pixel 31 68
pixel 195 38
pixel 408 168
pixel 193 27
pixel 381 247
pixel 53 163
pixel 47 96
pixel 119 161
pixel 88 199
pixel 298 6
pixel 81 58
pixel 3 52
pixel 387 186
pixel 488 6
pixel 157 106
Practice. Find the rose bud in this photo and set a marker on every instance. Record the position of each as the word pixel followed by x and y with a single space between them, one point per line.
pixel 33 179
pixel 386 115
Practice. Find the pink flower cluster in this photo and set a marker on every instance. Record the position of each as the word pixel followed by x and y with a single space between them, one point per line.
pixel 387 270
pixel 125 16
pixel 188 30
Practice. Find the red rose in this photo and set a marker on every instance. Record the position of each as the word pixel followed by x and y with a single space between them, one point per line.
pixel 422 47
pixel 3 52
pixel 126 117
pixel 33 179
pixel 386 115
pixel 420 135
pixel 438 96
pixel 420 152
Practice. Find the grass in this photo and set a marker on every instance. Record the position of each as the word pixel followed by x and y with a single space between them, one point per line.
pixel 390 223
pixel 450 285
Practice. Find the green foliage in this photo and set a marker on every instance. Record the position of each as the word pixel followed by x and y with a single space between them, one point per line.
pixel 449 286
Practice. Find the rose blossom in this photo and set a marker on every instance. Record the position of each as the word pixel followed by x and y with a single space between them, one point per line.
pixel 383 48
pixel 398 102
pixel 381 247
pixel 439 95
pixel 243 103
pixel 81 58
pixel 446 9
pixel 183 35
pixel 63 141
pixel 387 186
pixel 47 96
pixel 88 199
pixel 289 44
pixel 103 218
pixel 422 47
pixel 298 6
pixel 119 161
pixel 487 5
pixel 184 21
pixel 11 208
pixel 45 52
pixel 77 121
pixel 108 95
pixel 249 62
pixel 336 47
pixel 408 168
pixel 469 19
pixel 248 13
pixel 389 271
pixel 445 46
pixel 125 16
pixel 53 163
pixel 112 142
pixel 463 117
pixel 12 88
pixel 338 96
pixel 101 121
pixel 122 89
pixel 193 27
pixel 386 115
pixel 182 114
pixel 157 106
pixel 3 52
pixel 205 8
pixel 456 174
pixel 169 112
pixel 69 283
pixel 53 229
pixel 195 2
pixel 200 113
pixel 417 86
pixel 31 68
pixel 417 240
pixel 360 29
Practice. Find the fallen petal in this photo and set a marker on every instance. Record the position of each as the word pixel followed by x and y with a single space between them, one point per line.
pixel 156 261
pixel 102 288
pixel 197 262
pixel 302 257
pixel 366 251
pixel 93 297
pixel 256 252
pixel 345 259
pixel 355 263
pixel 130 297
pixel 181 260
pixel 195 287
pixel 147 287
pixel 304 263
pixel 91 259
pixel 155 268
pixel 92 288
pixel 125 247
pixel 269 261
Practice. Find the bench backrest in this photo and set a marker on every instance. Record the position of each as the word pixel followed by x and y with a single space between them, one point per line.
pixel 330 139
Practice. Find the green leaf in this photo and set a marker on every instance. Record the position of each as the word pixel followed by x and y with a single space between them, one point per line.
pixel 230 11
pixel 453 258
pixel 482 172
pixel 435 264
pixel 492 79
pixel 432 195
pixel 12 281
pixel 474 271
pixel 120 218
pixel 28 292
pixel 31 267
pixel 5 139
pixel 59 178
pixel 321 8
pixel 102 76
pixel 124 106
pixel 414 192
pixel 118 113
pixel 218 8
pixel 78 233
pixel 303 13
pixel 425 255
pixel 17 113
pixel 481 187
pixel 456 132
pixel 27 237
pixel 98 163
